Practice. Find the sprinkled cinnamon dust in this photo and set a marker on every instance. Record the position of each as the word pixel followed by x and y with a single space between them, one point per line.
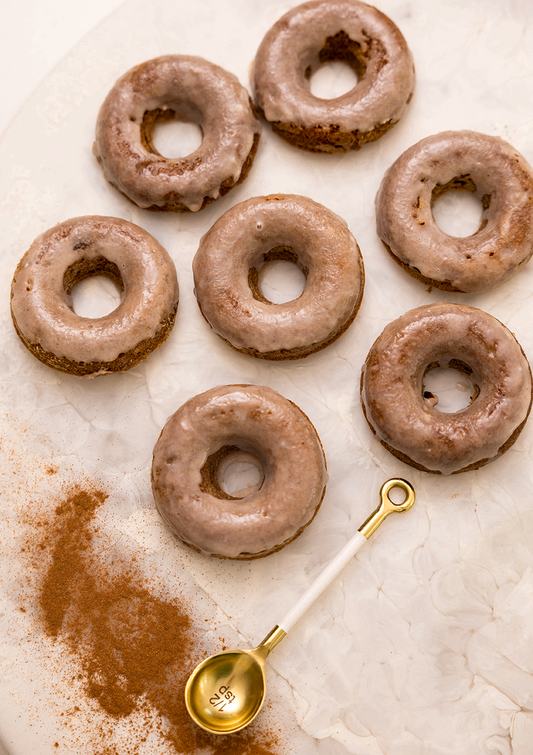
pixel 135 648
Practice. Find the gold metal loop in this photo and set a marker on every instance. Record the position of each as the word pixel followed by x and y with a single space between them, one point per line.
pixel 387 506
pixel 407 488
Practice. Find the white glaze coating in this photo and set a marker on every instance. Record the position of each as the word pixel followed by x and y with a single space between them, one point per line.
pixel 292 46
pixel 42 309
pixel 261 422
pixel 196 90
pixel 503 182
pixel 391 387
pixel 239 241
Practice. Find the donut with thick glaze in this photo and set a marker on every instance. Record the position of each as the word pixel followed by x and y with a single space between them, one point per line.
pixel 408 424
pixel 325 30
pixel 216 427
pixel 465 160
pixel 280 226
pixel 181 87
pixel 41 304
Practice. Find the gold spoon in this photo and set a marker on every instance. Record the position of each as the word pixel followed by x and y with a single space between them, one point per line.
pixel 226 691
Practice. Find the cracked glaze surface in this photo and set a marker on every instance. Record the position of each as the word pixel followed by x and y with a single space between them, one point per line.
pixel 197 91
pixel 258 421
pixel 292 46
pixel 409 423
pixel 498 176
pixel 242 239
pixel 42 307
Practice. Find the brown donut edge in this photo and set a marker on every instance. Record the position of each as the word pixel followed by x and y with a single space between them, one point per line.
pixel 94 369
pixel 301 352
pixel 471 467
pixel 328 139
pixel 415 273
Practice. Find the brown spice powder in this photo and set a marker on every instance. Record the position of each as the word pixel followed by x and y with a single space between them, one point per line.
pixel 136 649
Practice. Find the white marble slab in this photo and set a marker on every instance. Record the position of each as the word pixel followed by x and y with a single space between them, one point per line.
pixel 424 646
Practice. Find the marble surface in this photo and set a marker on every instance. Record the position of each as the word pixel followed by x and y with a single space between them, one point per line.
pixel 34 37
pixel 423 646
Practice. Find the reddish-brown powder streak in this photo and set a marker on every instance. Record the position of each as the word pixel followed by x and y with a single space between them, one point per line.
pixel 69 543
pixel 136 649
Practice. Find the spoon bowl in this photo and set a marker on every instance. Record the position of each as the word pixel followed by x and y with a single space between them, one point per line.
pixel 227 690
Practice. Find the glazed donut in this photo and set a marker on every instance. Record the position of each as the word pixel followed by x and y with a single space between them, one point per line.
pixel 288 227
pixel 406 421
pixel 185 88
pixel 497 175
pixel 326 30
pixel 41 305
pixel 215 426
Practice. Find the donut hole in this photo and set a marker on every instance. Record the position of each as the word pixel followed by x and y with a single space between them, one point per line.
pixel 94 287
pixel 338 68
pixel 449 389
pixel 332 79
pixel 232 474
pixel 172 133
pixel 278 277
pixel 456 208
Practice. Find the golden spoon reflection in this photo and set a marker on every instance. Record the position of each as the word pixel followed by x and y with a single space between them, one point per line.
pixel 226 691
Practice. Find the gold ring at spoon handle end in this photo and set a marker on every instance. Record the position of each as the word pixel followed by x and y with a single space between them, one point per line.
pixel 387 505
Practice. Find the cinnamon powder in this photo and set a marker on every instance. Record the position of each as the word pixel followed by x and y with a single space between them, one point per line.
pixel 136 649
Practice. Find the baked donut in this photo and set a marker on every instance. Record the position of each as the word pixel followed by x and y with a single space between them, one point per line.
pixel 326 30
pixel 217 426
pixel 497 175
pixel 287 227
pixel 178 87
pixel 41 305
pixel 406 421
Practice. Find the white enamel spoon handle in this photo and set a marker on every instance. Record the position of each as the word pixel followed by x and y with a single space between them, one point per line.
pixel 337 564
